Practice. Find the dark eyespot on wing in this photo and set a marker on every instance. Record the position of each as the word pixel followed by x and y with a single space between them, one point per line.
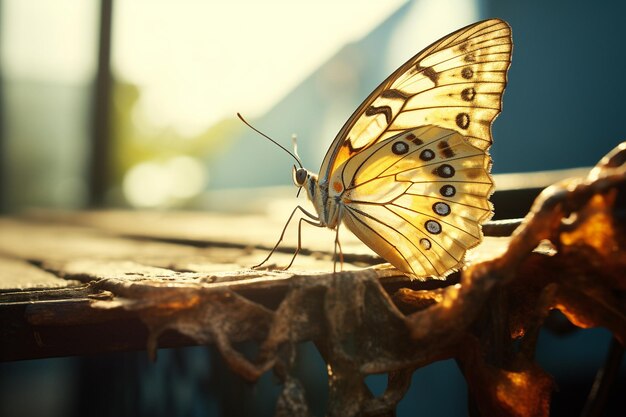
pixel 427 155
pixel 444 171
pixel 441 208
pixel 399 148
pixel 470 57
pixel 468 94
pixel 463 120
pixel 433 227
pixel 447 190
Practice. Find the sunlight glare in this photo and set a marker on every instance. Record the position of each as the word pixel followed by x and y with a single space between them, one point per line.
pixel 155 184
pixel 198 62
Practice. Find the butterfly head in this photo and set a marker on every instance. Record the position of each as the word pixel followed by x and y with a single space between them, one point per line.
pixel 300 176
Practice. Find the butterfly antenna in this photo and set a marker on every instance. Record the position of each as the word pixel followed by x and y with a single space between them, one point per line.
pixel 270 139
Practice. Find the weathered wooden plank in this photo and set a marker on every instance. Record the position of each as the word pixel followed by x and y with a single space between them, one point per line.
pixel 194 251
pixel 18 275
pixel 65 263
pixel 208 228
pixel 59 322
pixel 52 245
pixel 107 237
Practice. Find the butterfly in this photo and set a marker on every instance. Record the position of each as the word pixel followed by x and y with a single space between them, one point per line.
pixel 409 172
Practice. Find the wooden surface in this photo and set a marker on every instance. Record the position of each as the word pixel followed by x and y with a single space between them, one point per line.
pixel 51 264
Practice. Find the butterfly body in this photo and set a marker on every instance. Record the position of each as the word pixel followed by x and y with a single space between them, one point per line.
pixel 409 172
pixel 327 206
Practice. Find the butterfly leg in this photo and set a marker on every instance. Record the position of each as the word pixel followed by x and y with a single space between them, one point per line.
pixel 338 246
pixel 312 223
pixel 282 235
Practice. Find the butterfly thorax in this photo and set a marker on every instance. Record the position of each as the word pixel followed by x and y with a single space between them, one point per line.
pixel 326 207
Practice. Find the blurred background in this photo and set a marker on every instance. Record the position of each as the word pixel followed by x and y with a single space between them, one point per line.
pixel 107 103
pixel 132 103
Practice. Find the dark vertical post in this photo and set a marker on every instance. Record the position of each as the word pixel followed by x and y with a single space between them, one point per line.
pixel 101 117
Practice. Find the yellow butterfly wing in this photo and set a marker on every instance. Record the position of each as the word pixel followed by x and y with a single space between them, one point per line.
pixel 411 166
pixel 418 199
pixel 457 82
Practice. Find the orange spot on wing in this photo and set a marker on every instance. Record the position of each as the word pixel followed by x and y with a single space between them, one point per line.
pixel 343 155
pixel 337 186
